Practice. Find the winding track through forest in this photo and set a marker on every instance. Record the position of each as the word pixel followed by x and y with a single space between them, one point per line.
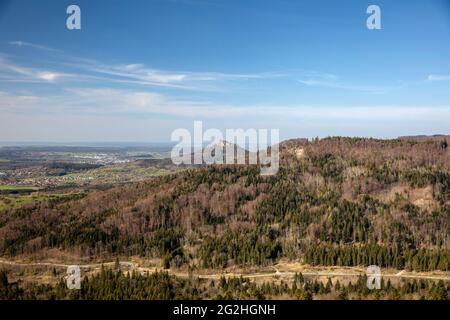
pixel 144 270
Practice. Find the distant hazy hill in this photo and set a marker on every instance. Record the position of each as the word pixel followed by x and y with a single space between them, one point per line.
pixel 240 155
pixel 421 138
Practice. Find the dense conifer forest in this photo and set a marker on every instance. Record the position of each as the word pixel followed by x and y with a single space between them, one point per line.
pixel 113 285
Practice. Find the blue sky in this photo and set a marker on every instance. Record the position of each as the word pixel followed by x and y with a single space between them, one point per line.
pixel 137 70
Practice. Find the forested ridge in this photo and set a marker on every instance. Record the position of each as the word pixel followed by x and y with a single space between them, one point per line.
pixel 334 201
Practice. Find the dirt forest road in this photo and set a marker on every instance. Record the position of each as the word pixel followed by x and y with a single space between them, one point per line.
pixel 349 272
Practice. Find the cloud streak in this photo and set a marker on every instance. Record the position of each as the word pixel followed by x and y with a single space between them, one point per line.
pixel 132 73
pixel 332 81
pixel 24 74
pixel 438 77
pixel 19 43
pixel 106 101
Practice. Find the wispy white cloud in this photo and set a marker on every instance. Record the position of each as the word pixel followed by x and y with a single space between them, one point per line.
pixel 107 102
pixel 20 73
pixel 48 76
pixel 332 81
pixel 19 43
pixel 438 77
pixel 20 103
pixel 133 73
pixel 141 74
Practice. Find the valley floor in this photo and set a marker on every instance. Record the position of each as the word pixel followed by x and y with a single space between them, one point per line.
pixel 282 270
